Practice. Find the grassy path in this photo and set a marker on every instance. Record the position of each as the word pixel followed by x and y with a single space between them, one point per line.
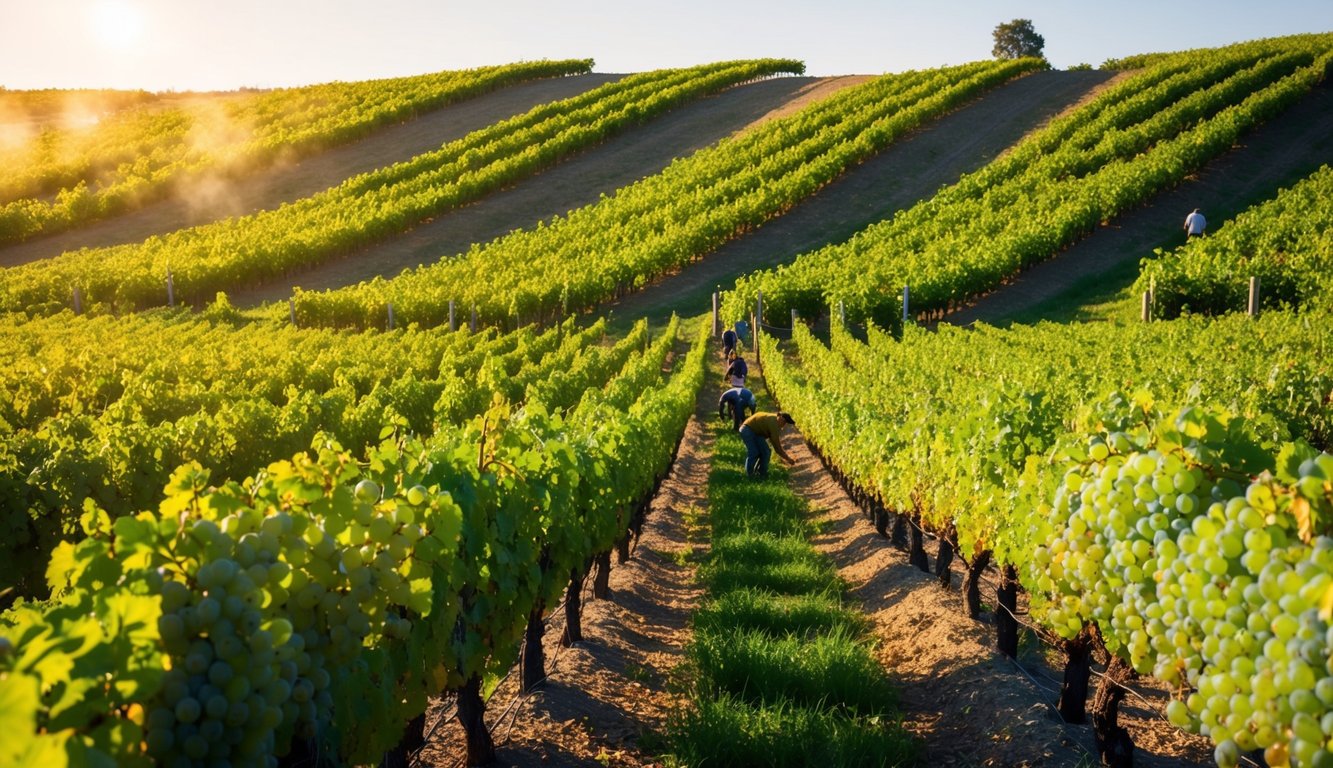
pixel 781 671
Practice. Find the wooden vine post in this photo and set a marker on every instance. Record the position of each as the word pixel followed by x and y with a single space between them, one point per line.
pixel 717 318
pixel 758 323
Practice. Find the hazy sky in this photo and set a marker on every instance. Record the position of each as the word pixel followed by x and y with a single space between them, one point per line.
pixel 225 44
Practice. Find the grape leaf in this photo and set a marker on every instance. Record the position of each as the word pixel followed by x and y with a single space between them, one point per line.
pixel 1300 509
pixel 20 700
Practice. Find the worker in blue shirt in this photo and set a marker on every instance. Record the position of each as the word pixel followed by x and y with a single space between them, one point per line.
pixel 737 399
pixel 728 342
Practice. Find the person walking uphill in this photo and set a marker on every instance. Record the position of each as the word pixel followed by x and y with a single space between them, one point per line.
pixel 737 399
pixel 1195 224
pixel 758 431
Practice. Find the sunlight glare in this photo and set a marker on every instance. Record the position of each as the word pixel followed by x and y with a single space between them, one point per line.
pixel 117 24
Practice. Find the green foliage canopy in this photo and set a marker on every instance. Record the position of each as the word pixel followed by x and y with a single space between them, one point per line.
pixel 1017 39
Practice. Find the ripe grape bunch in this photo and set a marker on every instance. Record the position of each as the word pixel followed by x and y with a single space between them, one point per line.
pixel 259 610
pixel 1204 582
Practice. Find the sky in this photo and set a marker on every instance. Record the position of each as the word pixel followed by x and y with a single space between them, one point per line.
pixel 210 45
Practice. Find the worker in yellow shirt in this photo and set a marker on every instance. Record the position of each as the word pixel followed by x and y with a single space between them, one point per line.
pixel 758 431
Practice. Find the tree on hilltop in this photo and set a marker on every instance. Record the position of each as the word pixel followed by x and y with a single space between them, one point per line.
pixel 1017 39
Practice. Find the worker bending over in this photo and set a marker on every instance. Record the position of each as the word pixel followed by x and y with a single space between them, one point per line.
pixel 758 431
pixel 736 399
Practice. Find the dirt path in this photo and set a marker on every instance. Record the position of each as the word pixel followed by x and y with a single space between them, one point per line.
pixel 605 695
pixel 911 170
pixel 292 181
pixel 969 705
pixel 578 181
pixel 608 697
pixel 1274 156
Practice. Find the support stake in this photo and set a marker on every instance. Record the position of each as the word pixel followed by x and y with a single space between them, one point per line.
pixel 758 324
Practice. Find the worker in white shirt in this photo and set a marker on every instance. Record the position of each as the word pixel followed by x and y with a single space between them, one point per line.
pixel 1195 223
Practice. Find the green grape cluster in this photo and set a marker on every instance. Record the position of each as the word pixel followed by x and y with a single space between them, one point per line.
pixel 1208 584
pixel 323 601
pixel 224 695
pixel 1114 517
pixel 262 605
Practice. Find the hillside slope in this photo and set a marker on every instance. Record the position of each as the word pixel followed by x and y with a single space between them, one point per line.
pixel 1274 156
pixel 907 172
pixel 574 183
pixel 285 183
pixel 895 179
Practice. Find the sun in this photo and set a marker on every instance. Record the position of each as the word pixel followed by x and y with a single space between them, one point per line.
pixel 117 25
